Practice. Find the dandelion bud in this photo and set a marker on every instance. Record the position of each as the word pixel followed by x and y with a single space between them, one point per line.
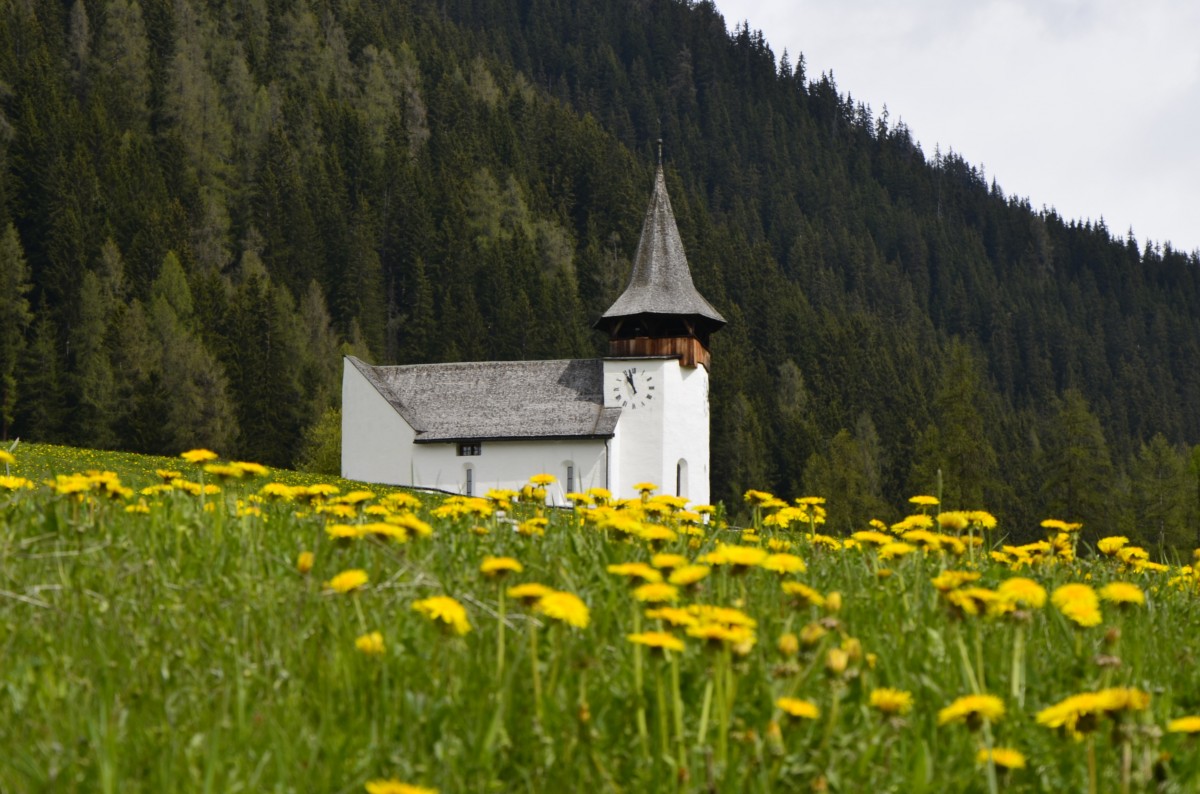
pixel 836 661
pixel 811 634
pixel 1112 636
pixel 853 648
pixel 304 562
pixel 789 644
pixel 833 603
pixel 584 713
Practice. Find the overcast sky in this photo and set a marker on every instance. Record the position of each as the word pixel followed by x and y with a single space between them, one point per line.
pixel 1088 106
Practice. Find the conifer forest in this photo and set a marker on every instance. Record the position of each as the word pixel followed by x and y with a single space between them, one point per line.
pixel 205 203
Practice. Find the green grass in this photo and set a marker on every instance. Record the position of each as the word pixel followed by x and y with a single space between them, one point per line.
pixel 182 650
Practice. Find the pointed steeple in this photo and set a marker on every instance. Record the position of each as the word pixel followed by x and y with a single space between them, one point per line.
pixel 660 301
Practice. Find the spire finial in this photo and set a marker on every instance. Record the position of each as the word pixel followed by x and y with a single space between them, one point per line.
pixel 660 152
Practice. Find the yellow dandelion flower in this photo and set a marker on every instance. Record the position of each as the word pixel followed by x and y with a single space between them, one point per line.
pixel 533 526
pixel 252 469
pixel 972 710
pixel 654 533
pixel 798 708
pixel 671 561
pixel 924 501
pixel 736 556
pixel 1002 757
pixel 891 701
pixel 566 607
pixel 1116 699
pixel 1078 602
pixel 784 563
pixel 349 580
pixel 804 593
pixel 1111 545
pixel 688 575
pixel 673 615
pixel 757 498
pixel 788 645
pixel 7 458
pixel 528 593
pixel 198 455
pixel 982 519
pixel 1079 714
pixel 645 488
pixel 445 610
pixel 659 640
pixel 304 562
pixel 656 593
pixel 1057 525
pixel 973 601
pixel 1184 725
pixel 811 634
pixel 635 570
pixel 1122 594
pixel 543 479
pixel 1022 592
pixel 836 661
pixel 399 500
pixel 895 550
pixel 726 616
pixel 371 644
pixel 872 536
pixel 500 566
pixel 953 521
pixel 717 633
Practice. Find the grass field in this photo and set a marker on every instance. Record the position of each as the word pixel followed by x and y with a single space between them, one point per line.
pixel 209 631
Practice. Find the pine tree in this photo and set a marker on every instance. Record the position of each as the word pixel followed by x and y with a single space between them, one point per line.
pixel 1158 484
pixel 1076 467
pixel 15 318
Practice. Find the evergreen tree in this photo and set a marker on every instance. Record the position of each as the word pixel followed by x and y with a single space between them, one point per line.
pixel 1160 495
pixel 93 387
pixel 15 318
pixel 1076 468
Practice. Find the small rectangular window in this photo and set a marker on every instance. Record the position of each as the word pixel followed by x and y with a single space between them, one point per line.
pixel 570 479
pixel 470 482
pixel 470 448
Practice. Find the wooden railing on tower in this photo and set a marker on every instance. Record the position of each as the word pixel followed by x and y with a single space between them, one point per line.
pixel 687 348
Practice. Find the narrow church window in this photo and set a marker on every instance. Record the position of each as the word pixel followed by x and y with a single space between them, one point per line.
pixel 681 478
pixel 570 478
pixel 469 490
pixel 470 448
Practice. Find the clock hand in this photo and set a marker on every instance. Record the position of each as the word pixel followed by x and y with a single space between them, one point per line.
pixel 632 385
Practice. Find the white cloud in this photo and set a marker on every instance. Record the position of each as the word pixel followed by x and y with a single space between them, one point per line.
pixel 1090 107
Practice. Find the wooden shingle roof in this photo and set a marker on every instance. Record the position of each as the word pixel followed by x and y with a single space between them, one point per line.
pixel 661 281
pixel 497 400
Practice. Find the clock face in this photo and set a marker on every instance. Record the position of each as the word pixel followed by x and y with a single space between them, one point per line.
pixel 633 388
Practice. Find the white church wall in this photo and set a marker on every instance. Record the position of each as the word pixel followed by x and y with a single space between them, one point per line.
pixel 686 435
pixel 376 441
pixel 653 437
pixel 510 464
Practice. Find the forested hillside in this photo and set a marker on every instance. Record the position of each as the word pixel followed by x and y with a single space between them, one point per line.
pixel 203 203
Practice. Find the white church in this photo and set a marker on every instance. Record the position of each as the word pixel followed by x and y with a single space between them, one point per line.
pixel 640 414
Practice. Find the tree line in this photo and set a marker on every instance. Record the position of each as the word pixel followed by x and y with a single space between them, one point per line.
pixel 205 202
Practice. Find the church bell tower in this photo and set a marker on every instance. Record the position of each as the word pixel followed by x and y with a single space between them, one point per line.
pixel 657 366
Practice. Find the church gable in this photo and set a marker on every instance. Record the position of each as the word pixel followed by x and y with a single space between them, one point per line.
pixel 497 400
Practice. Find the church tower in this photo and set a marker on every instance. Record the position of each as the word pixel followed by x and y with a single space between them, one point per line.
pixel 656 370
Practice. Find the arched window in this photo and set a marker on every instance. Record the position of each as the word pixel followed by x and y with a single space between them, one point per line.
pixel 569 481
pixel 681 478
